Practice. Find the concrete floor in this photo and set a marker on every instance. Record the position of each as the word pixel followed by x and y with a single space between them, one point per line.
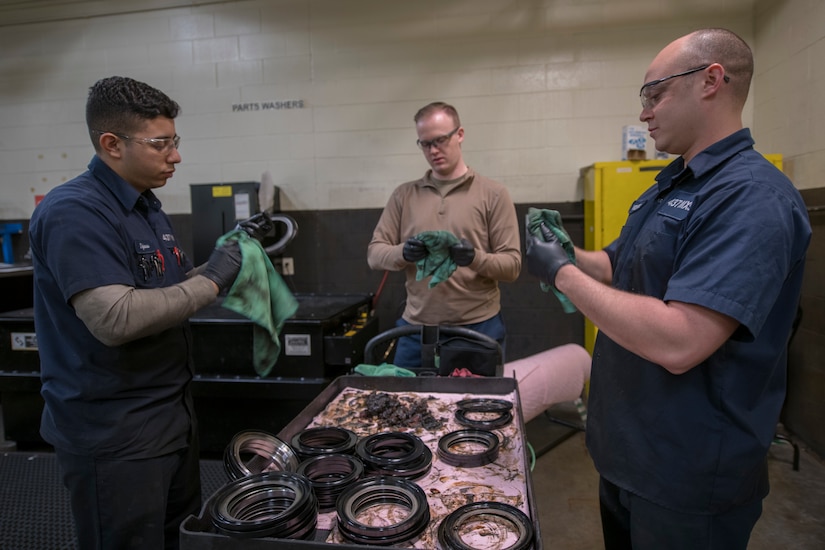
pixel 565 483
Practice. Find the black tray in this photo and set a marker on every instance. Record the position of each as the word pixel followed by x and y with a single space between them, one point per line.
pixel 198 533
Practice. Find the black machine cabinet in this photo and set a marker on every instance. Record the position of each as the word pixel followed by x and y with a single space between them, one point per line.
pixel 323 340
pixel 19 378
pixel 328 331
pixel 216 207
pixel 16 287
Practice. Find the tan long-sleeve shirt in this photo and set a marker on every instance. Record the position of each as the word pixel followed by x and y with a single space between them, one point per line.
pixel 477 209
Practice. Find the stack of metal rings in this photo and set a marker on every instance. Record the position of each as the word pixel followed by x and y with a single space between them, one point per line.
pixel 323 441
pixel 381 495
pixel 272 504
pixel 254 452
pixel 330 475
pixel 501 407
pixel 395 454
pixel 449 441
pixel 503 521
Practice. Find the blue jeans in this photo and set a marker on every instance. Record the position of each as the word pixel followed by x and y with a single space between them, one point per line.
pixel 408 348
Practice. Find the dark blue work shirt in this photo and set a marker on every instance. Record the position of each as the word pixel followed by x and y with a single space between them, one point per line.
pixel 128 401
pixel 728 232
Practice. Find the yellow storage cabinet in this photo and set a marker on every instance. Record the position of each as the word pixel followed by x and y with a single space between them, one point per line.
pixel 609 190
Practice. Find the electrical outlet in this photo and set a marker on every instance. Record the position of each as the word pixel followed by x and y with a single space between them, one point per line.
pixel 287 266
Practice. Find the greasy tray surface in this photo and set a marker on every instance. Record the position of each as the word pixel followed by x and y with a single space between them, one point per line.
pixel 506 480
pixel 447 487
pixel 398 384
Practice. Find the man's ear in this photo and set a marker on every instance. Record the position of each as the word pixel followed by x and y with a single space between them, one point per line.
pixel 110 145
pixel 715 78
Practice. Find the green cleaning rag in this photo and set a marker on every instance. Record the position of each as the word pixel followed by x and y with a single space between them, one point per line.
pixel 437 263
pixel 261 295
pixel 384 369
pixel 552 219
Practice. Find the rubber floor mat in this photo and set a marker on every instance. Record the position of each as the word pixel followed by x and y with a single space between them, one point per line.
pixel 35 505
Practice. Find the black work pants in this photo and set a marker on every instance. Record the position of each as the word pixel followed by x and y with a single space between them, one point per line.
pixel 630 522
pixel 134 504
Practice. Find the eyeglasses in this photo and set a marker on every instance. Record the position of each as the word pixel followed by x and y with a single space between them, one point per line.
pixel 650 100
pixel 439 142
pixel 161 145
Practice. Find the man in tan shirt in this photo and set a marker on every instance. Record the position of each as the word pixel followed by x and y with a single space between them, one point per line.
pixel 477 210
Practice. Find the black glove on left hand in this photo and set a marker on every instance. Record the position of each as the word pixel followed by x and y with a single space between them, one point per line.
pixel 462 253
pixel 257 227
pixel 544 259
pixel 223 265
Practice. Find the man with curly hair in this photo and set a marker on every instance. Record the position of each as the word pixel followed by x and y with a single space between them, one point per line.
pixel 112 294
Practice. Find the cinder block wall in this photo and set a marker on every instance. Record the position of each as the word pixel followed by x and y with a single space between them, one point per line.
pixel 543 87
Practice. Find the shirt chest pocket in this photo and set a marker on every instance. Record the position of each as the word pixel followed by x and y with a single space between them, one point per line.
pixel 654 242
pixel 149 266
pixel 665 227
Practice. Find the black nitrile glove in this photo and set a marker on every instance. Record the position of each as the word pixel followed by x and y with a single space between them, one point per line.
pixel 223 265
pixel 544 259
pixel 414 250
pixel 462 253
pixel 257 227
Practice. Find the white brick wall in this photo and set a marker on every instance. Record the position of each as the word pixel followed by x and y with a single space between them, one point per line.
pixel 543 87
pixel 789 85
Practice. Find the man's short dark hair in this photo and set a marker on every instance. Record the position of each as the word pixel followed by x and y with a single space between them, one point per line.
pixel 120 105
pixel 436 106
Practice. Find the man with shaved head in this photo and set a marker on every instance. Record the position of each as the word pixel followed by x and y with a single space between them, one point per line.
pixel 694 303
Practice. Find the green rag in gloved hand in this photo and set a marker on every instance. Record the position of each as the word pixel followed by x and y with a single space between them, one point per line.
pixel 384 369
pixel 438 262
pixel 552 219
pixel 261 295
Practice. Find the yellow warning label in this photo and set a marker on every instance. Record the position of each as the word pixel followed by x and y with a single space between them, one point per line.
pixel 222 191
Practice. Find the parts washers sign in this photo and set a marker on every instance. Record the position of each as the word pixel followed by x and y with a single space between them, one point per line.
pixel 267 105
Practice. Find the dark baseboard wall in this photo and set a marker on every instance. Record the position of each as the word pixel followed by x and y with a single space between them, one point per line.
pixel 330 256
pixel 805 401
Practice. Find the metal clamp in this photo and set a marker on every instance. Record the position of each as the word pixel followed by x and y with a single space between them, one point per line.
pixel 330 475
pixel 379 491
pixel 395 453
pixel 468 460
pixel 324 440
pixel 467 518
pixel 253 452
pixel 276 504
